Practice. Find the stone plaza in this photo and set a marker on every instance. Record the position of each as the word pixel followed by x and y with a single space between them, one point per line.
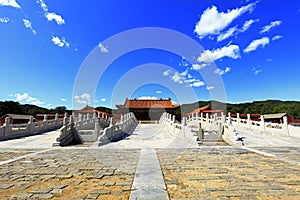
pixel 151 163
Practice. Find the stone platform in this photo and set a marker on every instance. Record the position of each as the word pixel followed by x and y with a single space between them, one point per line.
pixel 145 166
pixel 201 173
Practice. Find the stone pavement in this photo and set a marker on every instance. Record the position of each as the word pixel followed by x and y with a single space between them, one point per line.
pixel 151 136
pixel 145 166
pixel 228 173
pixel 44 140
pixel 195 173
pixel 69 174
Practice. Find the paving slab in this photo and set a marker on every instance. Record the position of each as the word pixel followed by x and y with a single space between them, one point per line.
pixel 148 194
pixel 148 181
pixel 245 174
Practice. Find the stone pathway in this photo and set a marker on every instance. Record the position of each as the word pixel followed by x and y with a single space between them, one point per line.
pixel 256 139
pixel 148 181
pixel 40 141
pixel 151 136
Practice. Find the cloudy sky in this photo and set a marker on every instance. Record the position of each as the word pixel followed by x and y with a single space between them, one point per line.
pixel 252 46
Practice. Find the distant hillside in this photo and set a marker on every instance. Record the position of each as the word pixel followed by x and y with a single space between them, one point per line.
pixel 261 107
pixel 267 107
pixel 104 109
pixel 11 107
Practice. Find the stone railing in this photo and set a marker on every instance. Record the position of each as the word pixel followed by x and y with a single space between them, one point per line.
pixel 116 131
pixel 180 130
pixel 228 125
pixel 12 131
pixel 262 126
pixel 213 122
pixel 81 130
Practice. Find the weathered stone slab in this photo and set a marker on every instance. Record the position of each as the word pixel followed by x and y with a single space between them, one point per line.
pixel 6 186
pixel 40 191
pixel 149 194
pixel 43 196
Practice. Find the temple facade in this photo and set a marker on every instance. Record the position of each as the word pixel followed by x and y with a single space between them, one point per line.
pixel 148 110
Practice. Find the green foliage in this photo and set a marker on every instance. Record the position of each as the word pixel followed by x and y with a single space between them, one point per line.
pixel 292 108
pixel 104 109
pixel 60 109
pixel 10 107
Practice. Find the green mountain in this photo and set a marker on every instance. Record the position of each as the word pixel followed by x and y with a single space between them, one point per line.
pixel 257 107
pixel 262 107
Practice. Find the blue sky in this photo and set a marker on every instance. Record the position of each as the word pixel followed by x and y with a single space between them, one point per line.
pixel 252 46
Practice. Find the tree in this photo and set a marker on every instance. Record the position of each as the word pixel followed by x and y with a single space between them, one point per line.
pixel 10 107
pixel 60 109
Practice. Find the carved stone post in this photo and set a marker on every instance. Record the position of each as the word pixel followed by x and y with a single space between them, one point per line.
pixel 31 125
pixel 285 126
pixel 262 124
pixel 111 121
pixel 229 118
pixel 249 121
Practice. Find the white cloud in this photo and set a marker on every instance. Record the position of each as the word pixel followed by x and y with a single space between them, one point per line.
pixel 230 32
pixel 4 20
pixel 51 16
pixel 28 25
pixel 147 98
pixel 102 48
pixel 158 92
pixel 60 42
pixel 25 97
pixel 213 22
pixel 63 99
pixel 231 51
pixel 49 105
pixel 210 87
pixel 43 5
pixel 247 24
pixel 227 69
pixel 267 28
pixel 191 80
pixel 234 30
pixel 84 98
pixel 197 84
pixel 177 78
pixel 183 78
pixel 198 66
pixel 184 73
pixel 55 17
pixel 11 3
pixel 221 71
pixel 277 37
pixel 184 62
pixel 103 99
pixel 256 71
pixel 257 43
pixel 167 72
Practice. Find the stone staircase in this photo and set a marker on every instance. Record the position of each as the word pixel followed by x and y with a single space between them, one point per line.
pixel 210 138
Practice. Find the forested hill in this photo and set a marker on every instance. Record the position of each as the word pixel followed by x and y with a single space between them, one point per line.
pixel 11 107
pixel 261 107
